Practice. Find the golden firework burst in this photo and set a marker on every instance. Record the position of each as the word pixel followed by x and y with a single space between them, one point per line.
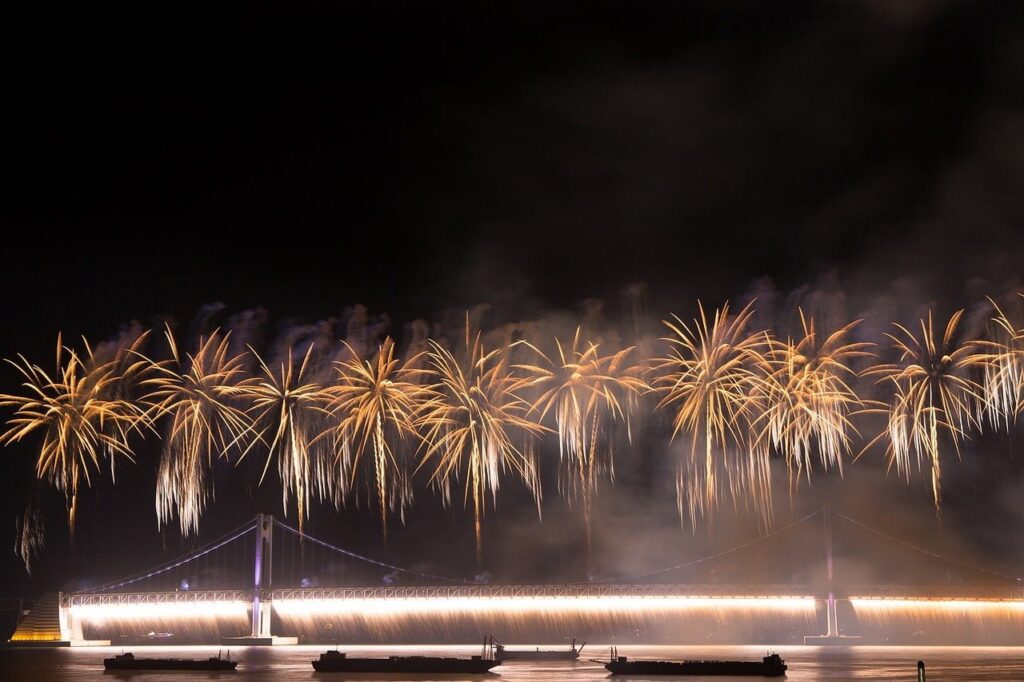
pixel 478 425
pixel 809 399
pixel 1004 372
pixel 586 392
pixel 377 402
pixel 713 377
pixel 934 393
pixel 288 413
pixel 81 413
pixel 196 393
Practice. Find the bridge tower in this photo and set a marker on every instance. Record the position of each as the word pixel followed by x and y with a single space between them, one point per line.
pixel 831 636
pixel 264 540
pixel 262 581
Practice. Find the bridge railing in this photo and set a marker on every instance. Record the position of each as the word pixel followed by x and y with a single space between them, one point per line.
pixel 567 591
pixel 135 598
pixel 936 592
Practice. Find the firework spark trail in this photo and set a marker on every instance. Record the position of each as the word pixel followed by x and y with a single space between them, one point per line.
pixel 377 402
pixel 736 395
pixel 292 409
pixel 195 393
pixel 472 422
pixel 30 534
pixel 808 399
pixel 1004 373
pixel 713 376
pixel 81 413
pixel 587 393
pixel 933 394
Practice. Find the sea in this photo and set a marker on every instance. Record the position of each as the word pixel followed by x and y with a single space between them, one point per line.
pixel 288 663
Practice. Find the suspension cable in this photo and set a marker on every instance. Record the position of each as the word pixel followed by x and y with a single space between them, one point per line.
pixel 716 555
pixel 368 559
pixel 202 551
pixel 927 552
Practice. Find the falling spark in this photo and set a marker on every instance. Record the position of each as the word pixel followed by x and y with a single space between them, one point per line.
pixel 472 423
pixel 1004 373
pixel 933 394
pixel 30 534
pixel 292 409
pixel 171 610
pixel 712 377
pixel 195 393
pixel 586 392
pixel 399 606
pixel 736 396
pixel 809 400
pixel 937 606
pixel 80 414
pixel 377 402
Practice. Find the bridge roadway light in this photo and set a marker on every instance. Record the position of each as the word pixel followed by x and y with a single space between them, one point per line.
pixel 391 606
pixel 202 610
pixel 935 604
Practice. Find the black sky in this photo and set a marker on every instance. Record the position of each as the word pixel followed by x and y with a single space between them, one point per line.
pixel 303 157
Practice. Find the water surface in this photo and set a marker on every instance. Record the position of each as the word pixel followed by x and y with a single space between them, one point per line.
pixel 293 663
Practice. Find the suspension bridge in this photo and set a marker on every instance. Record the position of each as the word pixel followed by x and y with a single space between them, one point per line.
pixel 299 588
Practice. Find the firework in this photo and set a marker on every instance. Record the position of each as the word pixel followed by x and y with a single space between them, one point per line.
pixel 1004 373
pixel 376 402
pixel 808 400
pixel 30 534
pixel 933 394
pixel 288 414
pixel 195 392
pixel 586 392
pixel 80 413
pixel 473 422
pixel 712 377
pixel 736 396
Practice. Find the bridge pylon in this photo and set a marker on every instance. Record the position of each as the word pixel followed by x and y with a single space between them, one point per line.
pixel 262 605
pixel 831 636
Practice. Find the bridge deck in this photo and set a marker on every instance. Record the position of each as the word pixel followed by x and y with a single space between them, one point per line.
pixel 566 591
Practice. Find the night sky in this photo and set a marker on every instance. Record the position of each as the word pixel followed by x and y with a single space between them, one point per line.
pixel 301 158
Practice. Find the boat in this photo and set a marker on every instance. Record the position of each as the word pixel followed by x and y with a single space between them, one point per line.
pixel 502 653
pixel 771 665
pixel 338 662
pixel 128 661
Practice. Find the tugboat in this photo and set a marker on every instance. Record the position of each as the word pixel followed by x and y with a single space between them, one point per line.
pixel 129 662
pixel 771 665
pixel 537 654
pixel 337 662
pixel 159 636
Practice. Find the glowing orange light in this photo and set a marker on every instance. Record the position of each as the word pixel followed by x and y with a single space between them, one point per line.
pixel 401 606
pixel 97 613
pixel 881 604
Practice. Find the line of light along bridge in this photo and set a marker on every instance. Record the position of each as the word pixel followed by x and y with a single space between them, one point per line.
pixel 515 600
pixel 486 593
pixel 258 604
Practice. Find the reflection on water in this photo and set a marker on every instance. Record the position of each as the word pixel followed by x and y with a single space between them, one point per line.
pixel 293 663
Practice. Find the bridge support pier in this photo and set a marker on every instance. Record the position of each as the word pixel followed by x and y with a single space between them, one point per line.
pixel 262 609
pixel 831 636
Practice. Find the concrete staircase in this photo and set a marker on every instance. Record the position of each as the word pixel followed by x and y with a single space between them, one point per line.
pixel 41 625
